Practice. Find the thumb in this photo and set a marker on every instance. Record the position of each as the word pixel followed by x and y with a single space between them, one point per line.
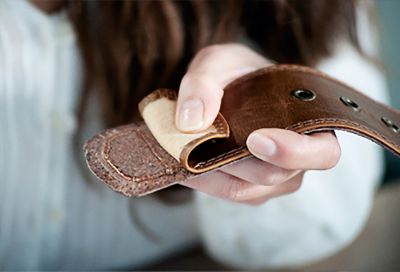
pixel 201 88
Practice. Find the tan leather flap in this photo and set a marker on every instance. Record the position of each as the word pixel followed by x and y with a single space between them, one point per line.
pixel 195 151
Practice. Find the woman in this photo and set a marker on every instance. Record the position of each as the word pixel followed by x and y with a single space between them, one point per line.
pixel 50 218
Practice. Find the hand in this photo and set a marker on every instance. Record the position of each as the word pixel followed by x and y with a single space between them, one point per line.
pixel 281 156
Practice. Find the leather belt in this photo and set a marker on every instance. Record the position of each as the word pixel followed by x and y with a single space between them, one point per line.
pixel 144 157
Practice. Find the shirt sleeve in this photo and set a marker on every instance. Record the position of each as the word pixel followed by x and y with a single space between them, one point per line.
pixel 325 215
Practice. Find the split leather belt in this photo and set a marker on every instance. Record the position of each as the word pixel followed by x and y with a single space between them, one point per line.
pixel 144 157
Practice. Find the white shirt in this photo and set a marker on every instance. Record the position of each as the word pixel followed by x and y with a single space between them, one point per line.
pixel 50 218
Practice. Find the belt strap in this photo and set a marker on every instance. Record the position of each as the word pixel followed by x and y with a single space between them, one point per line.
pixel 144 157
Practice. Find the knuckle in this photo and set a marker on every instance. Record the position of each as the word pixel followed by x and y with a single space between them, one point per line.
pixel 268 179
pixel 200 85
pixel 231 191
pixel 190 80
pixel 187 79
pixel 291 157
pixel 273 178
pixel 235 191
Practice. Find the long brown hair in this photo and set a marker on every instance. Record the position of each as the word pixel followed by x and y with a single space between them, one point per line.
pixel 130 48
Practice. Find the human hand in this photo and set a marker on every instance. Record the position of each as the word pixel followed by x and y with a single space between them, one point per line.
pixel 281 156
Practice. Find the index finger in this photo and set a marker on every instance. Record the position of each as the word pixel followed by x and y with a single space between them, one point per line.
pixel 201 89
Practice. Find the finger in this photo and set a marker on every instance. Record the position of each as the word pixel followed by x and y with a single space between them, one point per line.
pixel 286 188
pixel 291 187
pixel 290 150
pixel 201 88
pixel 225 186
pixel 259 172
pixel 198 102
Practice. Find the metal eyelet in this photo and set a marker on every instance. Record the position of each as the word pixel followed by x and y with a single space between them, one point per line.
pixel 390 124
pixel 304 94
pixel 350 103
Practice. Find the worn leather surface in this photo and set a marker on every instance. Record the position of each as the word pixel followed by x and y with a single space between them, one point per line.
pixel 131 161
pixel 158 111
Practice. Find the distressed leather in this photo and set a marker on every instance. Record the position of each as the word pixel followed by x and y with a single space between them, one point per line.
pixel 130 160
pixel 158 111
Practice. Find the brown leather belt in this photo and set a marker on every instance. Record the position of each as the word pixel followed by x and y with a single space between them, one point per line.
pixel 144 157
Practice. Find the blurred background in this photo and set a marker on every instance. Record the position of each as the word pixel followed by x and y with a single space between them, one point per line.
pixel 389 13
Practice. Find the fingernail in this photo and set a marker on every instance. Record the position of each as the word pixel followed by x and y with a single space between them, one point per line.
pixel 260 145
pixel 191 115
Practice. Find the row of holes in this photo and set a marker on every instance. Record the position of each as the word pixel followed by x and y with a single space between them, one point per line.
pixel 308 95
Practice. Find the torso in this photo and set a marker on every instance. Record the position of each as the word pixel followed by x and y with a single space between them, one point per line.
pixel 50 217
